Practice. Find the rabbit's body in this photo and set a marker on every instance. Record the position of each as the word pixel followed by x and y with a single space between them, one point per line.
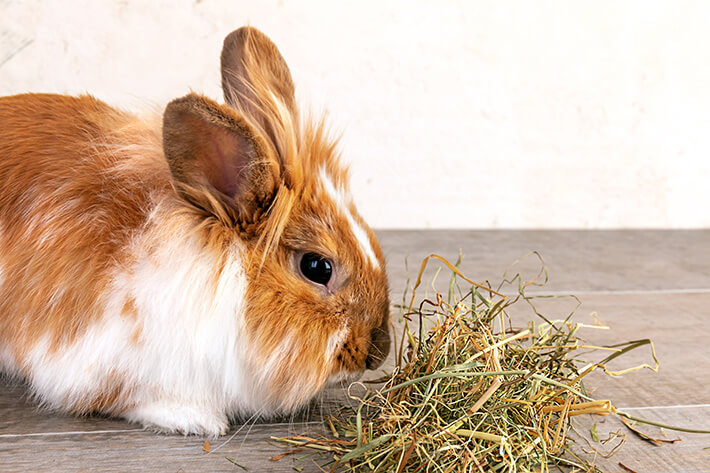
pixel 178 309
pixel 107 296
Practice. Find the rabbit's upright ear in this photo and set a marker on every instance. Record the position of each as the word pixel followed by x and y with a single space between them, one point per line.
pixel 255 76
pixel 211 147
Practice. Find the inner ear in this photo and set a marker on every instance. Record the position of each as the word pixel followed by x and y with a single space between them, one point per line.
pixel 219 155
pixel 211 147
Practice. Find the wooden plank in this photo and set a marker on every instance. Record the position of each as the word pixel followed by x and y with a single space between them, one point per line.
pixel 691 454
pixel 676 323
pixel 578 260
pixel 144 451
pixel 20 415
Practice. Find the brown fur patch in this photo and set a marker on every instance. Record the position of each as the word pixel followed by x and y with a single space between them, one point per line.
pixel 129 308
pixel 76 182
pixel 111 398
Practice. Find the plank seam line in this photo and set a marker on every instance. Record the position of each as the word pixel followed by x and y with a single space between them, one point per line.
pixel 679 406
pixel 76 432
pixel 124 431
pixel 612 293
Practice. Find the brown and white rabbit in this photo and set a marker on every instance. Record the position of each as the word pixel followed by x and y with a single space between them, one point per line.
pixel 179 273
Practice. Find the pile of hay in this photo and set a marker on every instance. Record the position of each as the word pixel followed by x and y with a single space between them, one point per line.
pixel 469 392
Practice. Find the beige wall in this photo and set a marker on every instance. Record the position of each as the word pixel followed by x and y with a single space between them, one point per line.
pixel 454 114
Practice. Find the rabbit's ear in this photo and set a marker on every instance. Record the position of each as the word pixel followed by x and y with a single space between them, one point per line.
pixel 254 74
pixel 209 146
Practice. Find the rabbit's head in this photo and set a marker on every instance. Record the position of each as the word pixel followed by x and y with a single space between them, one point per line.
pixel 317 307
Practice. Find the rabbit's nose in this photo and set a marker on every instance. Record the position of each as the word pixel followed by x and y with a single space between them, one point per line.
pixel 379 347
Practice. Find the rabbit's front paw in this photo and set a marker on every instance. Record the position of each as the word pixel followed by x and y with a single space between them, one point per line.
pixel 179 418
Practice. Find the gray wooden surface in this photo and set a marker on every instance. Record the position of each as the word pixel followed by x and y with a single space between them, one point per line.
pixel 644 284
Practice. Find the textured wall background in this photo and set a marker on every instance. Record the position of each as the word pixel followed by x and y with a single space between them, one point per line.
pixel 454 114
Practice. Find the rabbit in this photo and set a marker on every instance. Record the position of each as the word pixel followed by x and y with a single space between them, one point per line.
pixel 182 270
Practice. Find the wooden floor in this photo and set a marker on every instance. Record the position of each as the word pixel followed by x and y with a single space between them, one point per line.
pixel 644 284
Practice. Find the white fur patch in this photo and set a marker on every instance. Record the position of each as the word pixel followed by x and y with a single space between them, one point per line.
pixel 344 202
pixel 190 352
pixel 341 198
pixel 1 270
pixel 7 361
pixel 363 240
pixel 335 340
pixel 75 374
pixel 280 356
pixel 343 378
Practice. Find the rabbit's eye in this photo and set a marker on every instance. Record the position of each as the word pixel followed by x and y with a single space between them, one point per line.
pixel 316 268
